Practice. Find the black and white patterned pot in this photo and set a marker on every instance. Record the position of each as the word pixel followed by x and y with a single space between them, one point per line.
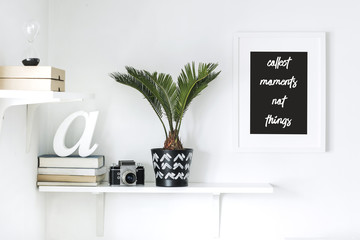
pixel 171 167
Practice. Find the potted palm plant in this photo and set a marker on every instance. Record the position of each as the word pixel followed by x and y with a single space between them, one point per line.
pixel 172 162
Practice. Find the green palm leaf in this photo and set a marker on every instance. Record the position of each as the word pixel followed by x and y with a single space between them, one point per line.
pixel 167 97
pixel 167 91
pixel 143 86
pixel 190 86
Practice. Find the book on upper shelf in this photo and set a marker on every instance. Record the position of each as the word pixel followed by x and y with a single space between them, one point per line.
pixel 72 171
pixel 41 72
pixel 32 84
pixel 89 184
pixel 69 178
pixel 32 78
pixel 50 160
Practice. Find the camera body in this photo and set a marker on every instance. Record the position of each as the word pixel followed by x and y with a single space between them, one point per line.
pixel 127 173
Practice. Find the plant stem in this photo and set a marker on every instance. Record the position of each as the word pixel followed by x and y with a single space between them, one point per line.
pixel 162 122
pixel 166 135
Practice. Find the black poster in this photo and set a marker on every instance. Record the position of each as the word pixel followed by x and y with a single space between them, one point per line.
pixel 278 92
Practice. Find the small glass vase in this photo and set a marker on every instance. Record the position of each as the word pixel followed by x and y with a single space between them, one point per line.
pixel 31 55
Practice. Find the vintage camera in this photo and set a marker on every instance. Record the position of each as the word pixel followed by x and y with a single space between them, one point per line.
pixel 127 172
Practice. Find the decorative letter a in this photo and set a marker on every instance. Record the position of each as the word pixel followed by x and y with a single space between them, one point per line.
pixel 85 140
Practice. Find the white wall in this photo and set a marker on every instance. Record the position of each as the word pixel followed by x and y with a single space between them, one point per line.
pixel 22 212
pixel 316 195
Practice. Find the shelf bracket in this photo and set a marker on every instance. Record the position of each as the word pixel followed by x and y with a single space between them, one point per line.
pixel 5 104
pixel 3 108
pixel 30 114
pixel 216 214
pixel 100 206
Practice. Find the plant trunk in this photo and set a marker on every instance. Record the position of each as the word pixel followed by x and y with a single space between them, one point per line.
pixel 173 142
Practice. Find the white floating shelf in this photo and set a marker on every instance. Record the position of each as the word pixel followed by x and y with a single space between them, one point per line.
pixel 211 188
pixel 215 189
pixel 9 98
pixel 21 97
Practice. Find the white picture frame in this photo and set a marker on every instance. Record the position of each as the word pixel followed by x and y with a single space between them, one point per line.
pixel 314 44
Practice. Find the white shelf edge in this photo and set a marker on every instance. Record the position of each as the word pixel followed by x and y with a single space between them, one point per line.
pixel 211 188
pixel 33 97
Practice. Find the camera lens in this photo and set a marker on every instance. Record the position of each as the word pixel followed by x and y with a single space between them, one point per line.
pixel 130 178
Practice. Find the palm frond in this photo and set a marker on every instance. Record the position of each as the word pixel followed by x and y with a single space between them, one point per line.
pixel 202 84
pixel 167 97
pixel 190 86
pixel 167 91
pixel 147 88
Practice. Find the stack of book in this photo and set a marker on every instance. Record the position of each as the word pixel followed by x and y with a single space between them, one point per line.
pixel 70 171
pixel 35 78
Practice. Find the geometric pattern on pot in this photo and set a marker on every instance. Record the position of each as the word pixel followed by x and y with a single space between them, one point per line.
pixel 167 167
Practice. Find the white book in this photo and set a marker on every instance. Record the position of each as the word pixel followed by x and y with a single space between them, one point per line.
pixel 72 171
pixel 94 184
pixel 94 161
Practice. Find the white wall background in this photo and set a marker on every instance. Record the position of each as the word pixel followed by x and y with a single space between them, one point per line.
pixel 316 194
pixel 22 212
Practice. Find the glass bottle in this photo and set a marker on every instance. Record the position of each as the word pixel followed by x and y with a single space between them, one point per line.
pixel 31 30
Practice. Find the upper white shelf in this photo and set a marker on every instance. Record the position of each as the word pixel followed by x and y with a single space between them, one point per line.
pixel 211 188
pixel 9 98
pixel 20 97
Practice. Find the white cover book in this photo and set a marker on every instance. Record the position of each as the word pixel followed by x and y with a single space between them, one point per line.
pixel 72 171
pixel 93 161
pixel 68 184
